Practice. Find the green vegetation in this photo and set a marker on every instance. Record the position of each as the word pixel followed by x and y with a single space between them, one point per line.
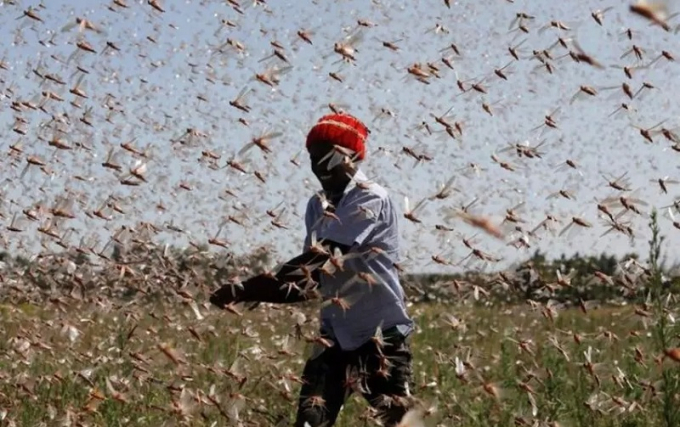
pixel 505 356
pixel 122 347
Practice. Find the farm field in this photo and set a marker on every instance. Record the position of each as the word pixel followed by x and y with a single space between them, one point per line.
pixel 66 363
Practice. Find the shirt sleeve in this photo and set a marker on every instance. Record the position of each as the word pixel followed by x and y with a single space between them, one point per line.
pixel 353 222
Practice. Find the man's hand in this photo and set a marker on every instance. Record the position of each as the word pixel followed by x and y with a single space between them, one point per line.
pixel 278 289
pixel 227 294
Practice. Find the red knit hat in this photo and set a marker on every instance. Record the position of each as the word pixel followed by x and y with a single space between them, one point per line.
pixel 343 130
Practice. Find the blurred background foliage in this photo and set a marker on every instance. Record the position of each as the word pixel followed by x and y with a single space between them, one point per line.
pixel 159 271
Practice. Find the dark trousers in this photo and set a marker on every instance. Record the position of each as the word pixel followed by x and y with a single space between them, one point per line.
pixel 382 375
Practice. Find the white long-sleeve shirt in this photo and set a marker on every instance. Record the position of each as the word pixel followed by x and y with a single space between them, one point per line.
pixel 367 222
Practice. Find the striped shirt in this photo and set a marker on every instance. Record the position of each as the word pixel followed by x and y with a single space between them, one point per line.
pixel 365 219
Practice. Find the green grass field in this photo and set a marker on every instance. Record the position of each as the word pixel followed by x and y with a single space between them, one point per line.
pixel 106 365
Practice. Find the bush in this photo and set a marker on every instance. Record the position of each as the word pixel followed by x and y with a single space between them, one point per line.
pixel 156 272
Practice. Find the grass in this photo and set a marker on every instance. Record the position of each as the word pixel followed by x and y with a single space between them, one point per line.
pixel 171 363
pixel 46 374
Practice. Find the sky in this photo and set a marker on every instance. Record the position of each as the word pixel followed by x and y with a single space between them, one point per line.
pixel 159 77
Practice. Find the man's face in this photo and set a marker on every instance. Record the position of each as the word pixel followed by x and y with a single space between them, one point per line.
pixel 332 180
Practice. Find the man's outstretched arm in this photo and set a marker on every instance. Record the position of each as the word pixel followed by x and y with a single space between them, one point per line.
pixel 289 285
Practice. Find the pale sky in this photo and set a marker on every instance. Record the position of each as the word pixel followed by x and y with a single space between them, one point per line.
pixel 599 144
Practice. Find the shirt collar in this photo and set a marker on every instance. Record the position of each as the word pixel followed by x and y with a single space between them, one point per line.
pixel 359 176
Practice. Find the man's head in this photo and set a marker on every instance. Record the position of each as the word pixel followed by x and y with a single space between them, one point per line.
pixel 335 144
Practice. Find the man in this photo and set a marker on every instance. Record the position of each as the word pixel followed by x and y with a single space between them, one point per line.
pixel 349 258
